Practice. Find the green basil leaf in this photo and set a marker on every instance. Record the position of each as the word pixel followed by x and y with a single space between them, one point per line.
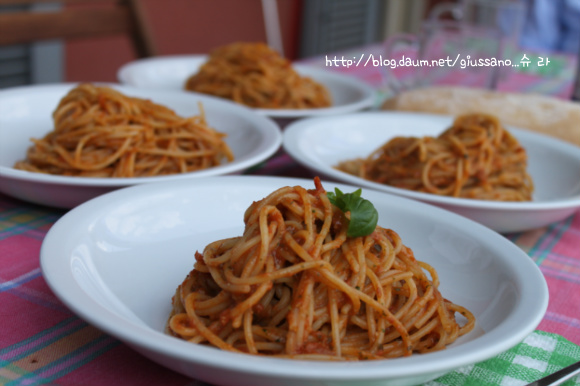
pixel 363 215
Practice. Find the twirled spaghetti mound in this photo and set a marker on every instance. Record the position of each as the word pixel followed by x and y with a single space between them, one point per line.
pixel 475 158
pixel 295 285
pixel 255 75
pixel 100 132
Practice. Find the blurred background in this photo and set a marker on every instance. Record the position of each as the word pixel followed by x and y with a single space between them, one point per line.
pixel 301 29
pixel 308 28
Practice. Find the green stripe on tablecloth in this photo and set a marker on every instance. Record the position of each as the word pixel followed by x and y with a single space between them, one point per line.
pixel 552 237
pixel 540 354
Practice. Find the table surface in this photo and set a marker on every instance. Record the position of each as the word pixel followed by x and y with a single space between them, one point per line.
pixel 42 342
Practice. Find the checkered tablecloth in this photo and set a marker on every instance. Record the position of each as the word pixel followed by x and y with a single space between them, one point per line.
pixel 540 354
pixel 43 343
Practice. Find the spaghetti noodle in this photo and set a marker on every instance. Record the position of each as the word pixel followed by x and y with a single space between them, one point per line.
pixel 255 75
pixel 99 132
pixel 475 158
pixel 294 285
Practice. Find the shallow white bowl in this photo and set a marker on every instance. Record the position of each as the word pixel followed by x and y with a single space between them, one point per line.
pixel 26 112
pixel 117 260
pixel 321 143
pixel 170 73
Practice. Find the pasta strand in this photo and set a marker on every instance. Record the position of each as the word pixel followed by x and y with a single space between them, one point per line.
pixel 475 158
pixel 363 298
pixel 99 132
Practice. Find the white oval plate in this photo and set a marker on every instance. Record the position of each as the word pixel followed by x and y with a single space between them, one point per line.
pixel 170 73
pixel 117 260
pixel 26 112
pixel 321 143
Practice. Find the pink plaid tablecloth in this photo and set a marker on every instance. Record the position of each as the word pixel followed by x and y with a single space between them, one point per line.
pixel 42 342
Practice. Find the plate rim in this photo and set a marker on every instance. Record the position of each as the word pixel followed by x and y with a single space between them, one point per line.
pixel 133 335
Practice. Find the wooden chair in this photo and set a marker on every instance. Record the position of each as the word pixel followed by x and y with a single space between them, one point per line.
pixel 77 19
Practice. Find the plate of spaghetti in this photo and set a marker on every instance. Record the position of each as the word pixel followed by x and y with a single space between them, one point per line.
pixel 271 280
pixel 254 75
pixel 506 178
pixel 63 144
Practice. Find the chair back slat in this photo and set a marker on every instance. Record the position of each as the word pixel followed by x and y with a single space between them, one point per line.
pixel 21 27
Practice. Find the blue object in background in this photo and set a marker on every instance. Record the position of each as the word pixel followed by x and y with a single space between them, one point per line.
pixel 552 25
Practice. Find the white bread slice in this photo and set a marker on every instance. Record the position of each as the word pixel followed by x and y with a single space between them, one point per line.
pixel 540 113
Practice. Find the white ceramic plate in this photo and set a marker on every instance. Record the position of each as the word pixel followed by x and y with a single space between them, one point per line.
pixel 26 112
pixel 117 260
pixel 321 143
pixel 170 73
